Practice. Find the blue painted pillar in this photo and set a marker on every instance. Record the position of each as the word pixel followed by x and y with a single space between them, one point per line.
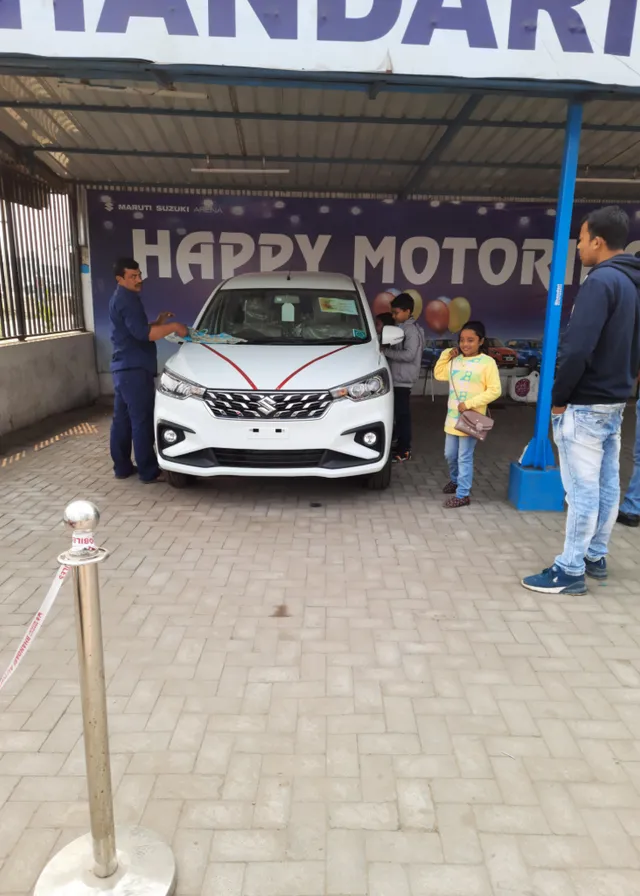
pixel 534 482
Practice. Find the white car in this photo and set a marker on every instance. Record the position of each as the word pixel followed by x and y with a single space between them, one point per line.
pixel 306 390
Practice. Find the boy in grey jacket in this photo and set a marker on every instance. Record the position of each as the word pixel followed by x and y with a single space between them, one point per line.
pixel 405 361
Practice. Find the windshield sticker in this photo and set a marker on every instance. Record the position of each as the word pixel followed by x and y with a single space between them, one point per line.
pixel 338 306
pixel 359 334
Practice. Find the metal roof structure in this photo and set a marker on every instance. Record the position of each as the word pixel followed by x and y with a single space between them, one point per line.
pixel 384 140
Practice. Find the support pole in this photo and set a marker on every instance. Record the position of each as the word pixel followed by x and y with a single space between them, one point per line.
pixel 94 718
pixel 109 861
pixel 534 482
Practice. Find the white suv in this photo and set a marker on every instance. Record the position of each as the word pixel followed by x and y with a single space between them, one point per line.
pixel 305 391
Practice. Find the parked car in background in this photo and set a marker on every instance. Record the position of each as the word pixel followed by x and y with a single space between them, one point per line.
pixel 433 348
pixel 528 352
pixel 501 354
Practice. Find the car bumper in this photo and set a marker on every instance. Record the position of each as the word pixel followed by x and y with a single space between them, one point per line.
pixel 327 448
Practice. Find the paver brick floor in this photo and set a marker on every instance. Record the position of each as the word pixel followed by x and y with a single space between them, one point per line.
pixel 348 699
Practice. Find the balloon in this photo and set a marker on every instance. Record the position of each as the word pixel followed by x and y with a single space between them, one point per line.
pixel 436 315
pixel 394 292
pixel 417 298
pixel 459 314
pixel 382 303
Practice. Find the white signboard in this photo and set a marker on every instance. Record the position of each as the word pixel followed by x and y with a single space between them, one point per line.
pixel 595 41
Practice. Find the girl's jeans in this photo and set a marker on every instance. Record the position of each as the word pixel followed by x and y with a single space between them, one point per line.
pixel 588 440
pixel 458 451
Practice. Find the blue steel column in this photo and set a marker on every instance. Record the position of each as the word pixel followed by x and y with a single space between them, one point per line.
pixel 539 453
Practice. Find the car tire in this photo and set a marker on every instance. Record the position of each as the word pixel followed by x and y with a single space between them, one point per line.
pixel 378 482
pixel 178 480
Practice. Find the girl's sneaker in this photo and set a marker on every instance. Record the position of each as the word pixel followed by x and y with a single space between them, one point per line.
pixel 450 488
pixel 457 502
pixel 401 458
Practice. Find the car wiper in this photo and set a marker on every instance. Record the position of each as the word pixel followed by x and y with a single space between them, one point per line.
pixel 336 342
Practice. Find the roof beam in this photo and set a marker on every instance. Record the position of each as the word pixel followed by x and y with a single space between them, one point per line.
pixel 325 160
pixel 458 123
pixel 22 157
pixel 163 111
pixel 21 65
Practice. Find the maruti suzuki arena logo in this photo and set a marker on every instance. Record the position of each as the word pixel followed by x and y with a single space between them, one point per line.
pixel 267 406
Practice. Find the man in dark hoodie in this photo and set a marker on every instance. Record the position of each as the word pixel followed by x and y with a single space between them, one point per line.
pixel 598 365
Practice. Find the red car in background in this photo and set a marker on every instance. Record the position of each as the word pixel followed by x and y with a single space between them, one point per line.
pixel 501 354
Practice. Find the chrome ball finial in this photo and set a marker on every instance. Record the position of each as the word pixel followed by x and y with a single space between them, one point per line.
pixel 82 516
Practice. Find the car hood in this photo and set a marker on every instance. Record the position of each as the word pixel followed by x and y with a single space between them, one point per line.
pixel 273 367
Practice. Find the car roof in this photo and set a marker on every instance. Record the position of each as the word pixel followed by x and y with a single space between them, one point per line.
pixel 290 280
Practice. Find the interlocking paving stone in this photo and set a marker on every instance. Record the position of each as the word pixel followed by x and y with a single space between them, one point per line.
pixel 353 699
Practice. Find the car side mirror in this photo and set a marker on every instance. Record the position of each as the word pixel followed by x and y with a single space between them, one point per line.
pixel 391 335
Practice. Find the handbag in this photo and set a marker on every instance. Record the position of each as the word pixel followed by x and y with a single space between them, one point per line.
pixel 471 423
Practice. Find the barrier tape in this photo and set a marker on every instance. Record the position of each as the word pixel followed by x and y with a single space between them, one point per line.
pixel 36 623
pixel 81 543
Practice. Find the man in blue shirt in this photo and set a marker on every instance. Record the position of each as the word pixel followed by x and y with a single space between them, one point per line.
pixel 134 366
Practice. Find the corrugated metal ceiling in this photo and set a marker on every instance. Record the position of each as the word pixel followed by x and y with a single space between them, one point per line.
pixel 343 154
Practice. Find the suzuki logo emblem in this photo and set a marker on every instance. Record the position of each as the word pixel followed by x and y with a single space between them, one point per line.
pixel 267 406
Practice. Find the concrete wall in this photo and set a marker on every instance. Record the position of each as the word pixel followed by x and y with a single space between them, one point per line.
pixel 46 376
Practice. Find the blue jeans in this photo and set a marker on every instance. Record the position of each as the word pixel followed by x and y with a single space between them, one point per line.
pixel 631 503
pixel 133 421
pixel 458 451
pixel 588 440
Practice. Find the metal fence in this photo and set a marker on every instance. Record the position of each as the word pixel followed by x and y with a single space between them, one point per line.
pixel 39 266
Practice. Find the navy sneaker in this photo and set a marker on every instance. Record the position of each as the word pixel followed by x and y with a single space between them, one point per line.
pixel 555 581
pixel 596 569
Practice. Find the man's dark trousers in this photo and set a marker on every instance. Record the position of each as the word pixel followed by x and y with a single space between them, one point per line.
pixel 133 420
pixel 402 414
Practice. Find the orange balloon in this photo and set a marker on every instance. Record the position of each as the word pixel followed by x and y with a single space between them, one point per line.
pixel 436 315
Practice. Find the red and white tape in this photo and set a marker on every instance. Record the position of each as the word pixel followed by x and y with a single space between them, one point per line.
pixel 81 543
pixel 36 624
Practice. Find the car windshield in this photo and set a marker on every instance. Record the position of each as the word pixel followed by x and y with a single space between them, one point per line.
pixel 287 316
pixel 495 343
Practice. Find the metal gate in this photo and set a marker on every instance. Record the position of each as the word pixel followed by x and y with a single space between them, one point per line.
pixel 39 264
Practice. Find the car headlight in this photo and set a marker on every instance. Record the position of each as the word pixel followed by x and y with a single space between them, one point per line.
pixel 177 387
pixel 371 386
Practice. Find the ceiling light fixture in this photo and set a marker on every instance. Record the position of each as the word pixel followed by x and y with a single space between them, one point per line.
pixel 241 170
pixel 264 170
pixel 608 180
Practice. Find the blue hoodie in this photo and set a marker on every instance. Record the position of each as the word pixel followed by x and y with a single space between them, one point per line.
pixel 599 357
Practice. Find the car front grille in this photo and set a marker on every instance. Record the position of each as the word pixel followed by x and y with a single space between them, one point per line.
pixel 267 405
pixel 268 460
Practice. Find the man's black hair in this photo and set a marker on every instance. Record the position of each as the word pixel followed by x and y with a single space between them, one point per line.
pixel 404 302
pixel 125 264
pixel 611 224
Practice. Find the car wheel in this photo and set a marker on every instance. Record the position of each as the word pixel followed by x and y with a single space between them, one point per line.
pixel 378 482
pixel 178 480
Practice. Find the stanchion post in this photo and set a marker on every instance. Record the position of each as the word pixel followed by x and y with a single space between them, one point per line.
pixel 129 861
pixel 83 518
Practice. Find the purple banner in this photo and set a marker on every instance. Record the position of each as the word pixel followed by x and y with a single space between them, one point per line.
pixel 489 260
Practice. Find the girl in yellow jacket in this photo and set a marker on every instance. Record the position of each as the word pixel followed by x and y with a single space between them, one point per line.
pixel 477 383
